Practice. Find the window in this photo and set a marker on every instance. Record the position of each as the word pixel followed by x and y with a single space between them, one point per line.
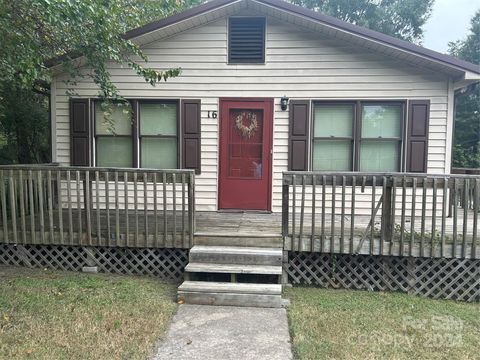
pixel 158 135
pixel 114 142
pixel 246 40
pixel 381 137
pixel 333 137
pixel 362 136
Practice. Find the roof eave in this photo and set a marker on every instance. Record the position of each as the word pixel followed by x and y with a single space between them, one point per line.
pixel 376 36
pixel 468 79
pixel 175 18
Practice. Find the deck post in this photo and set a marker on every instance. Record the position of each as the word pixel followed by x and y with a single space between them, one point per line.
pixel 191 207
pixel 387 218
pixel 85 197
pixel 87 192
pixel 285 196
pixel 284 277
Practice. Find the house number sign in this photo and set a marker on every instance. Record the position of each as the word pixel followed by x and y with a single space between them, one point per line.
pixel 212 114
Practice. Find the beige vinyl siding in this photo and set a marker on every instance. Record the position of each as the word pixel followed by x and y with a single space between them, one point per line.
pixel 299 64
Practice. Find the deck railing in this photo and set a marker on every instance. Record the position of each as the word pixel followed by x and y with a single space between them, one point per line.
pixel 97 206
pixel 392 214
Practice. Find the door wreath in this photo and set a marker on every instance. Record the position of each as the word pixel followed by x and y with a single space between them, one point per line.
pixel 246 131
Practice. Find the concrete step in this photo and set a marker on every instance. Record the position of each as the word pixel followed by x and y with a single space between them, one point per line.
pixel 195 267
pixel 231 299
pixel 230 294
pixel 245 240
pixel 236 255
pixel 228 287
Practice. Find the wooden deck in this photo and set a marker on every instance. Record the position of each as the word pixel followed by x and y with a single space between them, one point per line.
pixel 381 214
pixel 229 223
pixel 139 228
pixel 259 224
pixel 145 229
pixel 414 239
pixel 86 206
pixel 238 223
pixel 347 213
pixel 361 223
pixel 108 228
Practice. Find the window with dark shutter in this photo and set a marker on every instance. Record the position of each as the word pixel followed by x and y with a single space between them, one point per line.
pixel 154 131
pixel 246 40
pixel 357 136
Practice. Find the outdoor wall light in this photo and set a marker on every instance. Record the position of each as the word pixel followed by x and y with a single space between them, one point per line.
pixel 284 102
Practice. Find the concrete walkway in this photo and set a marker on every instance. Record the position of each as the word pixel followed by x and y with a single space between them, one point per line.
pixel 226 333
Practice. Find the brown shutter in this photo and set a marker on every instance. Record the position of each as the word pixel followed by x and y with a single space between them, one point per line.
pixel 191 134
pixel 417 135
pixel 298 135
pixel 79 133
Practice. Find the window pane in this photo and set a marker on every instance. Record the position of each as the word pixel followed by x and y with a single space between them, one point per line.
pixel 158 119
pixel 332 155
pixel 379 155
pixel 381 120
pixel 245 147
pixel 333 120
pixel 159 153
pixel 121 117
pixel 114 151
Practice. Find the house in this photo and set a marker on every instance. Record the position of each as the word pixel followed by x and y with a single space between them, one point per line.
pixel 239 59
pixel 361 121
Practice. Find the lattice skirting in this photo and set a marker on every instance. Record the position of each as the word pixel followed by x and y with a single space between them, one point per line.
pixel 168 264
pixel 457 279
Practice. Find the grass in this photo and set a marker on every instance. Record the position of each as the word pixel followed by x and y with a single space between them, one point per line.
pixel 66 315
pixel 346 324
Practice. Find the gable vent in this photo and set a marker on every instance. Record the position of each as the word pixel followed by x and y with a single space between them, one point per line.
pixel 246 40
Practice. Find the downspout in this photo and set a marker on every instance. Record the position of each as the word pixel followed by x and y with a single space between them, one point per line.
pixel 450 127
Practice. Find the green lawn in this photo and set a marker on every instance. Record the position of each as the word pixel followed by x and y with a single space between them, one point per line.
pixel 65 315
pixel 346 324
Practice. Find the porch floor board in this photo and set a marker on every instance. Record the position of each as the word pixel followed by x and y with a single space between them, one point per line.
pixel 233 223
pixel 238 223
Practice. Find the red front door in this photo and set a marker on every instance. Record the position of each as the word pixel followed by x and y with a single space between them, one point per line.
pixel 245 154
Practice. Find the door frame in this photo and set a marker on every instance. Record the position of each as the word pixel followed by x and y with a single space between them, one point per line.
pixel 269 144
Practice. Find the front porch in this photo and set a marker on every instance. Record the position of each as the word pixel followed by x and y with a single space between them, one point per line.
pixel 346 213
pixel 127 228
pixel 374 227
